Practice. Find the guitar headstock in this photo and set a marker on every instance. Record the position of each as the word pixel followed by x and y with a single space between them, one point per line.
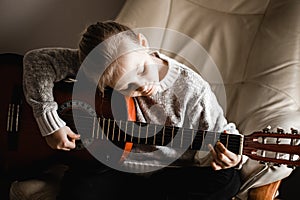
pixel 273 147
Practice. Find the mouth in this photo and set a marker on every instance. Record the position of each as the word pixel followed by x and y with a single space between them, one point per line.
pixel 148 92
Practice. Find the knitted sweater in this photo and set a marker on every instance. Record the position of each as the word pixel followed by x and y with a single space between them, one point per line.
pixel 184 99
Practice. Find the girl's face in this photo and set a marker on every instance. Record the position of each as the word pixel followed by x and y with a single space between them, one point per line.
pixel 138 75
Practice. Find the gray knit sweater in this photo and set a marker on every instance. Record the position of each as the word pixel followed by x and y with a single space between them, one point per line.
pixel 185 99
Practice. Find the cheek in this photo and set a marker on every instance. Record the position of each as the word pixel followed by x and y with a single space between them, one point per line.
pixel 152 75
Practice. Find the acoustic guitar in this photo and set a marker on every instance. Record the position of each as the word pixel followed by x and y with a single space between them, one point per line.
pixel 22 144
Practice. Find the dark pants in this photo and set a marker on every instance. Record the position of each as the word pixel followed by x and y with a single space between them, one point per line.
pixel 188 183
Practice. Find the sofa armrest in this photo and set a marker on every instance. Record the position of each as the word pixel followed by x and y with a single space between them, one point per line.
pixel 265 192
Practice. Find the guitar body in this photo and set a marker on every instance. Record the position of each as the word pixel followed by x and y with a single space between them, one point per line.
pixel 17 147
pixel 21 143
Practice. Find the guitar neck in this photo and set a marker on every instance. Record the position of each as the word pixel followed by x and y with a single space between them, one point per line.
pixel 152 134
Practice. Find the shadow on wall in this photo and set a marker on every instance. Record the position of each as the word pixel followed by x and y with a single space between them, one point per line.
pixel 33 24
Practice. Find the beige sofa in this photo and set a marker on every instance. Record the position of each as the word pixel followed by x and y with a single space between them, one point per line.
pixel 255 46
pixel 252 63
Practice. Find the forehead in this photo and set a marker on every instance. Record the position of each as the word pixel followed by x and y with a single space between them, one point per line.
pixel 121 66
pixel 129 61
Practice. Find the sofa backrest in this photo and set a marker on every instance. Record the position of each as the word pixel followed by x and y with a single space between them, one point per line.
pixel 255 46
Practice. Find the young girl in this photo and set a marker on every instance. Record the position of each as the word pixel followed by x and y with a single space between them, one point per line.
pixel 165 92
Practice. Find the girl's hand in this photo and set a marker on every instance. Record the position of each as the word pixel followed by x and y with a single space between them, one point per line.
pixel 222 157
pixel 63 139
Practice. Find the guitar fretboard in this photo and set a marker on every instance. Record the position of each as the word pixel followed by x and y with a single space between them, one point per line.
pixel 152 134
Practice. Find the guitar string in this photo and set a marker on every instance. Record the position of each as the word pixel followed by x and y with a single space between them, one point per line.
pixel 294 136
pixel 194 142
pixel 157 125
pixel 133 123
pixel 184 137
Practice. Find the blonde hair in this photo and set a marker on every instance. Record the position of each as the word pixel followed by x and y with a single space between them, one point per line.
pixel 108 39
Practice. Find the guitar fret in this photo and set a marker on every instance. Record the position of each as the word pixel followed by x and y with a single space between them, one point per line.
pixel 139 133
pixel 119 132
pixel 98 127
pixel 107 132
pixel 192 139
pixel 163 137
pixel 154 135
pixel 147 130
pixel 126 124
pixel 203 138
pixel 103 124
pixel 113 132
pixel 215 138
pixel 93 131
pixel 181 139
pixel 172 139
pixel 132 129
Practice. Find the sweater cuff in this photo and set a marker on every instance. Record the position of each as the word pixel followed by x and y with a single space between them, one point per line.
pixel 49 122
pixel 243 160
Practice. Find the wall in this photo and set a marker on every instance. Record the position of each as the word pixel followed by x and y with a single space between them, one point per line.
pixel 29 24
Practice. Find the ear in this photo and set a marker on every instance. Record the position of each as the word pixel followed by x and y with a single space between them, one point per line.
pixel 143 40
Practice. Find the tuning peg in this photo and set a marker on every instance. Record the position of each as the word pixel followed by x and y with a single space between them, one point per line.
pixel 280 130
pixel 267 129
pixel 294 131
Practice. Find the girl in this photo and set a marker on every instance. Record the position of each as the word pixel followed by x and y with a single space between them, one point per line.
pixel 165 92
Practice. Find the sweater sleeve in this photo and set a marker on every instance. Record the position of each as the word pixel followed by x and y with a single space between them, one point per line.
pixel 41 69
pixel 206 113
